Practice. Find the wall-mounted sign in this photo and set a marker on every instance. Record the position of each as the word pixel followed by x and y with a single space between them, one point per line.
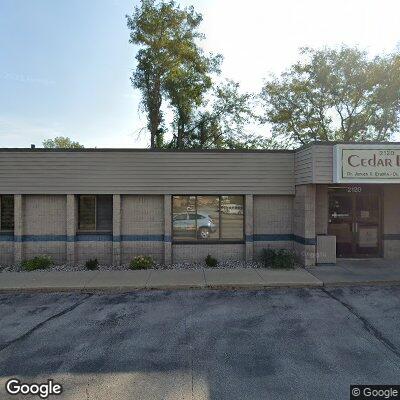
pixel 366 163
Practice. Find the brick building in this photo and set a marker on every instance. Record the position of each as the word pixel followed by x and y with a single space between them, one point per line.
pixel 323 201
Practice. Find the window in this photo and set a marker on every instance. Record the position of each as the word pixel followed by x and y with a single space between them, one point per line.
pixel 95 213
pixel 232 211
pixel 207 218
pixel 7 213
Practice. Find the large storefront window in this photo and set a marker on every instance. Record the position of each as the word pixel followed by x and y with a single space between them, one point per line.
pixel 207 218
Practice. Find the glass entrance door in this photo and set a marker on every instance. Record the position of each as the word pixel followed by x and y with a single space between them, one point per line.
pixel 355 220
pixel 367 224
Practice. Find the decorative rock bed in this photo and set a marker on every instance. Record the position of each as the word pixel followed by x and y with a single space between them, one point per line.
pixel 178 266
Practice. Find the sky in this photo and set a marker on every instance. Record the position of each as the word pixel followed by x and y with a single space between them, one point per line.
pixel 65 65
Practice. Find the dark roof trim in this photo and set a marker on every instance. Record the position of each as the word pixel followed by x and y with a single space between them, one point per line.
pixel 145 150
pixel 141 150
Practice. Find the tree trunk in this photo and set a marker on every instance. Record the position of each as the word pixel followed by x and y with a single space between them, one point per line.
pixel 179 141
pixel 154 111
pixel 203 136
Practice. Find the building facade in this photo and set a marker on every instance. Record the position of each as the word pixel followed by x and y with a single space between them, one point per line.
pixel 322 201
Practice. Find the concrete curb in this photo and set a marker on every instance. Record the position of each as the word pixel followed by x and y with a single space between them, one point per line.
pixel 362 283
pixel 109 290
pixel 130 281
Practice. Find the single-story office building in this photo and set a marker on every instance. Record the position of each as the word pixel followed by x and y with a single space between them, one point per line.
pixel 323 201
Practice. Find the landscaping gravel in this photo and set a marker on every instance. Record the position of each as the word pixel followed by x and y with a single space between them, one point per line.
pixel 179 266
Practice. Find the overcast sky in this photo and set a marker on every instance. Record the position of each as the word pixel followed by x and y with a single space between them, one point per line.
pixel 65 64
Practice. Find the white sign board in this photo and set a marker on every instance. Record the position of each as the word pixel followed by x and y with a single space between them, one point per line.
pixel 366 163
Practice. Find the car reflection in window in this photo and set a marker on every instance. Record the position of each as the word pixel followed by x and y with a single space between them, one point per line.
pixel 184 225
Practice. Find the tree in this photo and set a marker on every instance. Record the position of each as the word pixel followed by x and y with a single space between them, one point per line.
pixel 221 121
pixel 334 95
pixel 61 142
pixel 168 55
pixel 186 89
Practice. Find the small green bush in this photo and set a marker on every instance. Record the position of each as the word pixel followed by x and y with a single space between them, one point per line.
pixel 92 264
pixel 211 261
pixel 39 262
pixel 141 262
pixel 278 258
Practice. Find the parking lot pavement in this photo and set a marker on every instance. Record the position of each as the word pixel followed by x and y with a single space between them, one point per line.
pixel 276 344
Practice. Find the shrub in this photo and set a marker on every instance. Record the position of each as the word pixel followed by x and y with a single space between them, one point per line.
pixel 141 262
pixel 39 262
pixel 92 264
pixel 278 258
pixel 211 261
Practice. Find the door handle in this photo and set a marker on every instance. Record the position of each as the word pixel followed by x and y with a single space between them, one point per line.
pixel 356 227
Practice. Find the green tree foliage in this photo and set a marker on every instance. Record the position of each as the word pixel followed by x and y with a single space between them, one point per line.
pixel 173 71
pixel 222 120
pixel 334 95
pixel 61 142
pixel 170 65
pixel 186 89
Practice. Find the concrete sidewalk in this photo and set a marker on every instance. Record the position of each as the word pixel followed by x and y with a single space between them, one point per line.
pixel 347 272
pixel 157 279
pixel 358 272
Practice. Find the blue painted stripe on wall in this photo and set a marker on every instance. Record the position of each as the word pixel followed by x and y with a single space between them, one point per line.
pixel 305 241
pixel 93 238
pixel 156 238
pixel 142 238
pixel 83 237
pixel 167 238
pixel 391 236
pixel 40 238
pixel 272 237
pixel 6 238
pixel 284 237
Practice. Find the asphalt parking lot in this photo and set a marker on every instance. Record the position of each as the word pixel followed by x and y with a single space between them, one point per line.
pixel 274 344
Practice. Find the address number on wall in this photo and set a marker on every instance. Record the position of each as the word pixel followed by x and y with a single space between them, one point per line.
pixel 354 189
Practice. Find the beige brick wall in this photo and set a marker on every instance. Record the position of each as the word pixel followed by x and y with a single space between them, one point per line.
pixel 321 210
pixel 44 215
pixel 304 215
pixel 6 253
pixel 131 249
pixel 304 222
pixel 142 216
pixel 198 252
pixel 273 215
pixel 391 249
pixel 86 250
pixel 306 253
pixel 276 244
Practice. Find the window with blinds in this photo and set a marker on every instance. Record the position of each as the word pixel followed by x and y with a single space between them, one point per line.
pixel 6 213
pixel 95 213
